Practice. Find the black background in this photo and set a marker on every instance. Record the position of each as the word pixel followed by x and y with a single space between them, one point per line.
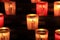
pixel 17 23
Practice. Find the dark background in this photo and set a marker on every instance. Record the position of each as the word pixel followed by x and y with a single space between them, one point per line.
pixel 17 23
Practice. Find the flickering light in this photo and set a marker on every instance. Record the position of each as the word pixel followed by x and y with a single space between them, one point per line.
pixel 41 34
pixel 1 19
pixel 4 33
pixel 57 34
pixel 10 7
pixel 32 21
pixel 42 8
pixel 57 8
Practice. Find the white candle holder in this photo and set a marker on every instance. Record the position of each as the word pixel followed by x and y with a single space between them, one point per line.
pixel 1 19
pixel 41 34
pixel 42 8
pixel 10 7
pixel 57 8
pixel 32 21
pixel 57 34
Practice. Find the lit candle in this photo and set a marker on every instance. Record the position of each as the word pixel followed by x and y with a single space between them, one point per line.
pixel 10 8
pixel 35 1
pixel 42 8
pixel 1 19
pixel 57 8
pixel 4 33
pixel 57 34
pixel 32 21
pixel 41 34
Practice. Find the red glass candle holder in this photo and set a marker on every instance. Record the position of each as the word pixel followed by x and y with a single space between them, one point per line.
pixel 42 8
pixel 1 19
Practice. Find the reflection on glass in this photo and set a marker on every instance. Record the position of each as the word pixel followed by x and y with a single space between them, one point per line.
pixel 57 34
pixel 32 21
pixel 4 33
pixel 57 8
pixel 10 7
pixel 1 19
pixel 41 34
pixel 42 8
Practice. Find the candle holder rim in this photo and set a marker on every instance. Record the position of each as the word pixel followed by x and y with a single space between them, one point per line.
pixel 57 30
pixel 56 1
pixel 41 30
pixel 42 2
pixel 1 14
pixel 5 28
pixel 31 15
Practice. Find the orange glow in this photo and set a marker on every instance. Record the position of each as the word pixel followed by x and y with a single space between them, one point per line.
pixel 1 19
pixel 4 33
pixel 42 8
pixel 32 21
pixel 4 28
pixel 35 1
pixel 57 34
pixel 10 8
pixel 57 8
pixel 41 34
pixel 41 29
